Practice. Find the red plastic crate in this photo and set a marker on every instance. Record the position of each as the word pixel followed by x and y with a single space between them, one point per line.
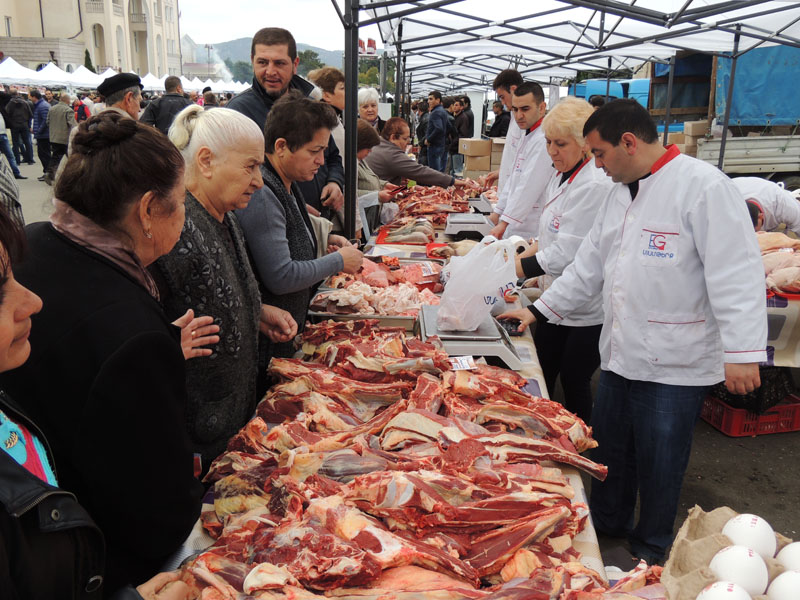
pixel 738 422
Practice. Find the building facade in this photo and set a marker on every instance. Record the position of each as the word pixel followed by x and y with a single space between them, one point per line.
pixel 137 36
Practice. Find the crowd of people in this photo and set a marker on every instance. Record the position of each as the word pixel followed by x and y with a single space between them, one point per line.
pixel 187 241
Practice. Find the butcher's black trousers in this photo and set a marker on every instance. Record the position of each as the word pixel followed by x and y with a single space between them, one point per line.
pixel 573 353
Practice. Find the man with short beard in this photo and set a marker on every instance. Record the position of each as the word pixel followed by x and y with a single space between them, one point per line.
pixel 274 57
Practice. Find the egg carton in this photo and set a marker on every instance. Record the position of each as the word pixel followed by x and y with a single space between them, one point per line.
pixel 686 571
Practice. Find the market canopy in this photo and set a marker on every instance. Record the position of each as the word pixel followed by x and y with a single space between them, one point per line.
pixel 83 77
pixel 464 43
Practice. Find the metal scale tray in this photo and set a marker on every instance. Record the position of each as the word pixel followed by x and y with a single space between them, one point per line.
pixel 467 223
pixel 481 205
pixel 490 339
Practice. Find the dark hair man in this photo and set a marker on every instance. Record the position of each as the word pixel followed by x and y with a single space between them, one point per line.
pixel 521 197
pixel 19 121
pixel 504 85
pixel 40 131
pixel 775 204
pixel 461 124
pixel 123 93
pixel 467 104
pixel 273 53
pixel 161 112
pixel 674 256
pixel 597 101
pixel 502 118
pixel 436 133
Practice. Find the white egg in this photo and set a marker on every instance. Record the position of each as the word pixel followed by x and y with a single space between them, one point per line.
pixel 785 586
pixel 723 590
pixel 741 565
pixel 789 556
pixel 753 532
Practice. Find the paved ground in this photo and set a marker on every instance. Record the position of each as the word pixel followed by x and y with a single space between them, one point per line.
pixel 35 196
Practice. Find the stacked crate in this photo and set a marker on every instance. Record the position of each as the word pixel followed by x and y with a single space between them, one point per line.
pixel 693 131
pixel 477 156
pixel 498 145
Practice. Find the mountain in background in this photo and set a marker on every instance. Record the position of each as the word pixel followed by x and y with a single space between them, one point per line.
pixel 237 50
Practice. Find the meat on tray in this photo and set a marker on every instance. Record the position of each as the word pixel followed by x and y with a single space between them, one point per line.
pixel 410 230
pixel 769 241
pixel 387 475
pixel 402 299
pixel 385 271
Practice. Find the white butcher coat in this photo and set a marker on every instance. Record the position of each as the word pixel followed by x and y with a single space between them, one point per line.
pixel 680 273
pixel 567 217
pixel 521 199
pixel 778 204
pixel 513 138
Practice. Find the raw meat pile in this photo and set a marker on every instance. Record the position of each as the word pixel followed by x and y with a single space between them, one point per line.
pixel 402 299
pixel 433 202
pixel 781 261
pixel 410 230
pixel 391 477
pixel 384 271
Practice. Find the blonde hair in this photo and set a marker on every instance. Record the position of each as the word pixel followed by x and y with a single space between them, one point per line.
pixel 567 119
pixel 218 129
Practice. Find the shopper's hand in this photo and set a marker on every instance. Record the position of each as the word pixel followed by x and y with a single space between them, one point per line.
pixel 491 177
pixel 331 196
pixel 196 333
pixel 499 230
pixel 521 314
pixel 461 182
pixel 385 196
pixel 277 324
pixel 312 211
pixel 741 378
pixel 165 586
pixel 352 258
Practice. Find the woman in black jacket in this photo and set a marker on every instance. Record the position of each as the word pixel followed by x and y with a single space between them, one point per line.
pixel 49 546
pixel 106 377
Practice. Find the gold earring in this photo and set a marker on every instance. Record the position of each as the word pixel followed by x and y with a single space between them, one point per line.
pixel 148 234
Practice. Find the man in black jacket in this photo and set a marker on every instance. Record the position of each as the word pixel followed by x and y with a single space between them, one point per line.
pixel 502 118
pixel 274 57
pixel 20 116
pixel 461 123
pixel 160 113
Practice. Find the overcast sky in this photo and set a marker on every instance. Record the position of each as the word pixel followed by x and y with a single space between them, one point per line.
pixel 312 22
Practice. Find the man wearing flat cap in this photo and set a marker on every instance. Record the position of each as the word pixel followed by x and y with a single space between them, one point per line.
pixel 123 93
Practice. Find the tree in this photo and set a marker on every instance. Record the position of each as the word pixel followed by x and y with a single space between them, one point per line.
pixel 87 61
pixel 369 73
pixel 240 70
pixel 309 60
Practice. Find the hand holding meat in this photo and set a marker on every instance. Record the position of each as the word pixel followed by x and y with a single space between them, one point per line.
pixel 352 259
pixel 277 324
pixel 337 241
pixel 742 378
pixel 196 333
pixel 523 315
pixel 165 586
pixel 332 197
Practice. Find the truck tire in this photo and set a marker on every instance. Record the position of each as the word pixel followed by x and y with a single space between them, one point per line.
pixel 791 182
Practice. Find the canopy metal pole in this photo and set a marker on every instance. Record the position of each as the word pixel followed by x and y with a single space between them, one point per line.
pixel 729 99
pixel 350 115
pixel 608 78
pixel 669 98
pixel 383 76
pixel 398 86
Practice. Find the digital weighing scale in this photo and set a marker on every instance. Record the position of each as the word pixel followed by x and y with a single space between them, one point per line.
pixel 468 224
pixel 481 205
pixel 490 339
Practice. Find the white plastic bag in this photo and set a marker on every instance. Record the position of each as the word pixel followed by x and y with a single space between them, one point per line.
pixel 476 282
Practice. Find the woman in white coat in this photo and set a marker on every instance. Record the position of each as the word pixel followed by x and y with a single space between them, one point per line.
pixel 573 198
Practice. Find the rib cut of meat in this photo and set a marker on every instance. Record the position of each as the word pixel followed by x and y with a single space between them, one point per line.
pixel 398 581
pixel 511 448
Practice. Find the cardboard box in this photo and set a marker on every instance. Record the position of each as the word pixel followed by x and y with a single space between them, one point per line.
pixel 498 143
pixel 477 163
pixel 474 147
pixel 473 174
pixel 674 138
pixel 695 128
pixel 497 156
pixel 681 148
pixel 495 166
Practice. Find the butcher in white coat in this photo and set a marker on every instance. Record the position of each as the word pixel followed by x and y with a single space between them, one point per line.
pixel 682 282
pixel 574 196
pixel 776 205
pixel 504 85
pixel 521 199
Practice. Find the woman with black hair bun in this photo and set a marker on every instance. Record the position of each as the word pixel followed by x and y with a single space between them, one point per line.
pixel 106 376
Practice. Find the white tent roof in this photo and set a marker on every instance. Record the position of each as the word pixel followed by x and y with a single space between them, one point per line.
pixel 464 43
pixel 11 72
pixel 151 83
pixel 109 72
pixel 51 75
pixel 83 77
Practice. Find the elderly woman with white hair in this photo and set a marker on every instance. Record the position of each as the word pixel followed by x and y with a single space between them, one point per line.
pixel 574 196
pixel 368 107
pixel 208 270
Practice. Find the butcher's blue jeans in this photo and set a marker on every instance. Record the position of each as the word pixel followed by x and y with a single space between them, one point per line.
pixel 437 158
pixel 644 433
